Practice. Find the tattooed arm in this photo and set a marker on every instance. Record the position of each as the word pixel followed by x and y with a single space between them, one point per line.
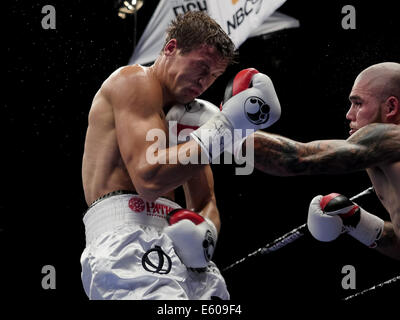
pixel 371 145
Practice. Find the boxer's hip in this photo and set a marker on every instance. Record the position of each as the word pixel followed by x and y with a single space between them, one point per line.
pixel 127 256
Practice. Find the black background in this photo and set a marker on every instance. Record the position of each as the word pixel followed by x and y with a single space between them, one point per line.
pixel 51 77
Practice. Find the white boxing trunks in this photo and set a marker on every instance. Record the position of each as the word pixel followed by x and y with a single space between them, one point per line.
pixel 127 255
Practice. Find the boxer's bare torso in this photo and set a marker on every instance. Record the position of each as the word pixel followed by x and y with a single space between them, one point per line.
pixel 132 102
pixel 103 169
pixel 386 182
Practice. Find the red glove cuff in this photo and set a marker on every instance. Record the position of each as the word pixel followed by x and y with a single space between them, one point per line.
pixel 240 82
pixel 335 201
pixel 179 214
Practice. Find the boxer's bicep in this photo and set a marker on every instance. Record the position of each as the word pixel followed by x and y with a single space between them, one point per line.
pixel 139 129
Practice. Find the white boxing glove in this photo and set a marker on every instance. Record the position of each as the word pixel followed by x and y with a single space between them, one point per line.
pixel 194 237
pixel 253 106
pixel 323 227
pixel 183 119
pixel 333 214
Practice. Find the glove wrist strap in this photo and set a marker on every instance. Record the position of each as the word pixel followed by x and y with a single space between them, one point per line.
pixel 214 136
pixel 368 230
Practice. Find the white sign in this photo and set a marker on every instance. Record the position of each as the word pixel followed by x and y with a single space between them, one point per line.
pixel 239 18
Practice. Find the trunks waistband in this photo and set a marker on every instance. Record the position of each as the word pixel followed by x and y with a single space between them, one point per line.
pixel 114 193
pixel 110 194
pixel 122 208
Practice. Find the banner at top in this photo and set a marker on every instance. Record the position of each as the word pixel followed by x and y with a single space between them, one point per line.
pixel 240 17
pixel 237 17
pixel 152 39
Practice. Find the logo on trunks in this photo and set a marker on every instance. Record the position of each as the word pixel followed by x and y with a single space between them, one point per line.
pixel 208 245
pixel 151 208
pixel 136 204
pixel 153 261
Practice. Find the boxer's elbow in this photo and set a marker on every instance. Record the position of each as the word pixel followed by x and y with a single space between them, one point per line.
pixel 145 182
pixel 395 252
pixel 396 229
pixel 389 243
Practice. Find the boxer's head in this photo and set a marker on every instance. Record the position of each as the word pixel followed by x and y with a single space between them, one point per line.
pixel 375 96
pixel 194 30
pixel 196 52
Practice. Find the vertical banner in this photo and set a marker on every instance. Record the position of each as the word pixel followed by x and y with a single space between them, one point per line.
pixel 240 17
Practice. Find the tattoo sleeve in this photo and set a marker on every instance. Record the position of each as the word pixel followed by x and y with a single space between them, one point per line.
pixel 370 146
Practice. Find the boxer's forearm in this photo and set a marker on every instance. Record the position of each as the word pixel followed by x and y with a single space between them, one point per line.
pixel 167 169
pixel 370 146
pixel 389 243
pixel 200 197
pixel 211 212
pixel 277 155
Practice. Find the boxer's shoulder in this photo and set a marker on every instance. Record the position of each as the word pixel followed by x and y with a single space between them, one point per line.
pixel 129 77
pixel 377 133
pixel 133 85
pixel 129 71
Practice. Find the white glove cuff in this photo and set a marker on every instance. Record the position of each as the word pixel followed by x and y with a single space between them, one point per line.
pixel 368 230
pixel 209 136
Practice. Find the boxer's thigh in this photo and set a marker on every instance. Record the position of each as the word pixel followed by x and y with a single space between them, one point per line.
pixel 130 263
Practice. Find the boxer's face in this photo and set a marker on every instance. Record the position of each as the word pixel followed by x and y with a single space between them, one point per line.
pixel 365 105
pixel 190 74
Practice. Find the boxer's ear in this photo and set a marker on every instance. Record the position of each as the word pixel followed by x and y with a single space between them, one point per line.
pixel 392 108
pixel 171 47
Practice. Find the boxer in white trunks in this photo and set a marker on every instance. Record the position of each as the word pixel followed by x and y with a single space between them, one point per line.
pixel 139 243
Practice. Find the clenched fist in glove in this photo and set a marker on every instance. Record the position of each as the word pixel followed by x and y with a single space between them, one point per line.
pixel 194 237
pixel 334 214
pixel 253 105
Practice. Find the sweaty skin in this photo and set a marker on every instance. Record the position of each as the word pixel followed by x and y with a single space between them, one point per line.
pixel 373 145
pixel 134 100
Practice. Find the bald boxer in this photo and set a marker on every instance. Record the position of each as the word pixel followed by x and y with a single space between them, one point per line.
pixel 374 145
pixel 140 244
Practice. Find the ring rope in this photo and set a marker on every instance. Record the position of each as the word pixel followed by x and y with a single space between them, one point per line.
pixel 287 238
pixel 380 285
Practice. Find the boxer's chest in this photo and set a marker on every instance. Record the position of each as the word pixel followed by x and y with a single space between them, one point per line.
pixel 386 182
